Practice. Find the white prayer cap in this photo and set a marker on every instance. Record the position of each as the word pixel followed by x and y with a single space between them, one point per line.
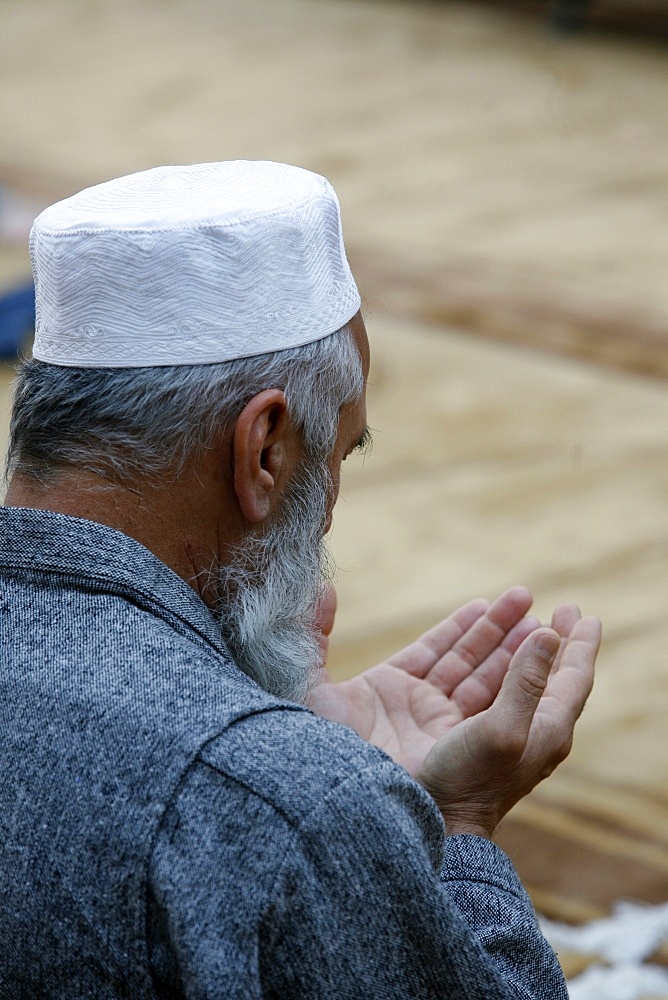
pixel 190 265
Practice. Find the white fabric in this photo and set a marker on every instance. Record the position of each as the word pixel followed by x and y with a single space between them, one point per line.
pixel 621 982
pixel 625 940
pixel 190 265
pixel 631 934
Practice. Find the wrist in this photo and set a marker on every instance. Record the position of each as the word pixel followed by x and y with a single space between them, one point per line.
pixel 477 822
pixel 456 829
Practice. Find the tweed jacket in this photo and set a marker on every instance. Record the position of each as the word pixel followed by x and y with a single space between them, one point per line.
pixel 168 829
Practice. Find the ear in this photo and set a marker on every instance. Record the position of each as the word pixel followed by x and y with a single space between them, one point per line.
pixel 266 448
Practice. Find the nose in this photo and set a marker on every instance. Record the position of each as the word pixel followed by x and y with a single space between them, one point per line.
pixel 333 492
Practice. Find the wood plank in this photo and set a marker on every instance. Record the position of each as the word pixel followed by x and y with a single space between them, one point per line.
pixel 552 312
pixel 504 198
pixel 493 177
pixel 493 466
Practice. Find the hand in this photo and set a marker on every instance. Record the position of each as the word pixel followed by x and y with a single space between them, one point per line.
pixel 454 671
pixel 482 767
pixel 325 615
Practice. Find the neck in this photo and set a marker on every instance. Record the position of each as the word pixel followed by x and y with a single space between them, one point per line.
pixel 175 520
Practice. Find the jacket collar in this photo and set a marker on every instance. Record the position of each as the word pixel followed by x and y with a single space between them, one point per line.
pixel 71 549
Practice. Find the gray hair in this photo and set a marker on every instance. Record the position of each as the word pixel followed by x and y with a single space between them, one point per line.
pixel 126 424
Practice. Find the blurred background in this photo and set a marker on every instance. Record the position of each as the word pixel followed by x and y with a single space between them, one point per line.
pixel 502 170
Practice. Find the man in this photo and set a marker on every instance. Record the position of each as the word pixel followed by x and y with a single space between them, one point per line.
pixel 174 821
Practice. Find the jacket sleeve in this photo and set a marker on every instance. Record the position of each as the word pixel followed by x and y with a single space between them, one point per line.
pixel 352 893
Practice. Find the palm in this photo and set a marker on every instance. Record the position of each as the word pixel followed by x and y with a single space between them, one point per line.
pixel 391 709
pixel 454 671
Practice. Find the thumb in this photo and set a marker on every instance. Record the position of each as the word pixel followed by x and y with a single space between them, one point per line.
pixel 525 682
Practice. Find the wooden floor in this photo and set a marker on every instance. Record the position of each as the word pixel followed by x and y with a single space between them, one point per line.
pixel 505 203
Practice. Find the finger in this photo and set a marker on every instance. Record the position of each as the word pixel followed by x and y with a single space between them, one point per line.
pixel 419 658
pixel 513 711
pixel 511 643
pixel 564 618
pixel 480 641
pixel 477 691
pixel 570 684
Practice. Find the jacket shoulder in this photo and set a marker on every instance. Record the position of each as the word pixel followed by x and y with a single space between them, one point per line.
pixel 296 760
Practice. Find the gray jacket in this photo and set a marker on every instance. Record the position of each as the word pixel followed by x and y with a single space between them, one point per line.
pixel 168 829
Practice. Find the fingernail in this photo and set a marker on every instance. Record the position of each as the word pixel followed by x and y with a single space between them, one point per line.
pixel 547 646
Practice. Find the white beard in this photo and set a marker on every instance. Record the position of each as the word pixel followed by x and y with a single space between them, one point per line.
pixel 267 596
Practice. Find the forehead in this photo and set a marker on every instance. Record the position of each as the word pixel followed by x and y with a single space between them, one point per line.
pixel 352 418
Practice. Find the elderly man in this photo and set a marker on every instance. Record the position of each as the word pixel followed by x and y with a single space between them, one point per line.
pixel 174 820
